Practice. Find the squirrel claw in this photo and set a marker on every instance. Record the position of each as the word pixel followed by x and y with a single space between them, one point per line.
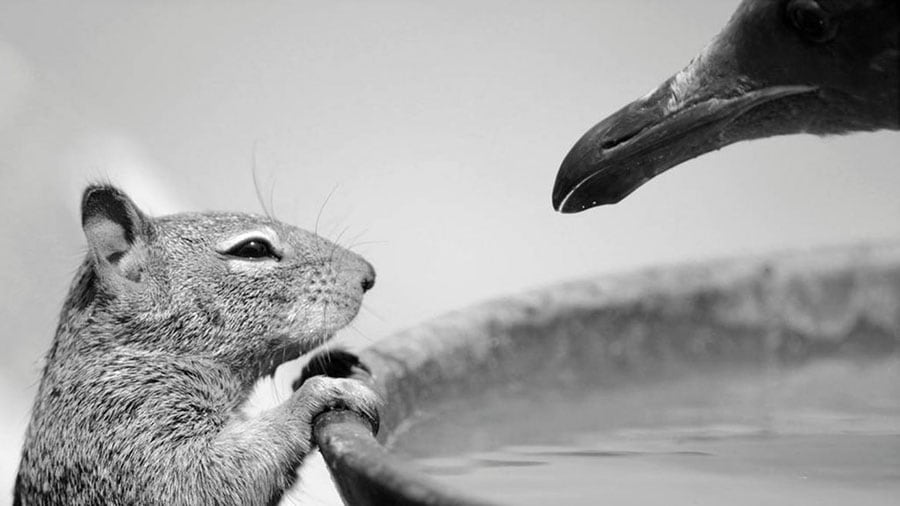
pixel 322 394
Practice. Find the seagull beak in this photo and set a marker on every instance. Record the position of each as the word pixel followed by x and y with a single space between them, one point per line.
pixel 683 118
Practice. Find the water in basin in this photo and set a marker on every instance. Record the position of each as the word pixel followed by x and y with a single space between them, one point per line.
pixel 826 433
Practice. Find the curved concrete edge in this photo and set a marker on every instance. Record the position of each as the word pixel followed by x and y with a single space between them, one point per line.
pixel 818 298
pixel 367 475
pixel 789 307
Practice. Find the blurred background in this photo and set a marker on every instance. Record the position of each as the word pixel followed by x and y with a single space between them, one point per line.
pixel 424 135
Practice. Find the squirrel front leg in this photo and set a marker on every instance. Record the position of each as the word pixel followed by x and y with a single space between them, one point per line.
pixel 253 461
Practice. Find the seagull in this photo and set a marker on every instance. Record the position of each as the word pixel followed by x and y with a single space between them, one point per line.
pixel 823 67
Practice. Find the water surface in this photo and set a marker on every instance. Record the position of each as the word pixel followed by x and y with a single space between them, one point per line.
pixel 827 433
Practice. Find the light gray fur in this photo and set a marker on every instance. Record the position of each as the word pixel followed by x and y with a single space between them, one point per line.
pixel 161 338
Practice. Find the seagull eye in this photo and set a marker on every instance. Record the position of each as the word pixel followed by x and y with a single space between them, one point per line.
pixel 255 248
pixel 813 22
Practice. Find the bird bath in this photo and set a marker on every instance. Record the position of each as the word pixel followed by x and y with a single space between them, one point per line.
pixel 772 380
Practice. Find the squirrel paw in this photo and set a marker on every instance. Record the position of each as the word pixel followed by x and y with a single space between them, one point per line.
pixel 319 394
pixel 336 363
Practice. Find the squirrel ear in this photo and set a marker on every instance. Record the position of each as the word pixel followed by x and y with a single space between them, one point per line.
pixel 116 231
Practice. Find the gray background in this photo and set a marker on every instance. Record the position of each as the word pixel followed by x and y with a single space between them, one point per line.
pixel 436 126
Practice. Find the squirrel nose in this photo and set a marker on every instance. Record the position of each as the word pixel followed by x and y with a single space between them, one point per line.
pixel 368 280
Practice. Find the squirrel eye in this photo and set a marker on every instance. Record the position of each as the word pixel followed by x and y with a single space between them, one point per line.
pixel 813 22
pixel 253 248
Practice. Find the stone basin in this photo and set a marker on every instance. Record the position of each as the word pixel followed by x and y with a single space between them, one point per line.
pixel 770 380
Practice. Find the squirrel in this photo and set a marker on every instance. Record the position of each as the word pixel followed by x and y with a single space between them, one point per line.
pixel 167 326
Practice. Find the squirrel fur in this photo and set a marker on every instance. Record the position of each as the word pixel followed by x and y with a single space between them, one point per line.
pixel 167 325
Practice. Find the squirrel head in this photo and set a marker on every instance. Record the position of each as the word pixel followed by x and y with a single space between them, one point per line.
pixel 239 287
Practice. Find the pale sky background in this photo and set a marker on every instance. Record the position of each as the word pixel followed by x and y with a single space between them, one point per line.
pixel 438 126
